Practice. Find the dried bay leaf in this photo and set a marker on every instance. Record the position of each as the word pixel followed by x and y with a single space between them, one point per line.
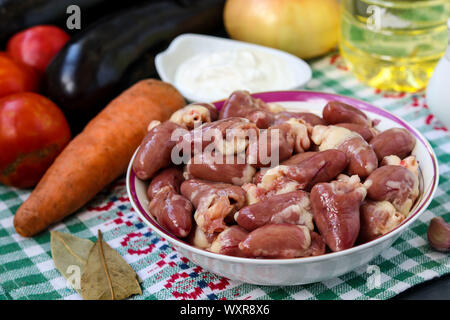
pixel 70 254
pixel 107 276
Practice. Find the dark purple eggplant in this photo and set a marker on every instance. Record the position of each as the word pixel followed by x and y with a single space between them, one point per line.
pixel 16 15
pixel 144 67
pixel 85 75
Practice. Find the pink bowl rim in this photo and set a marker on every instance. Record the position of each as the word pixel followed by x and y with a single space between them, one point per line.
pixel 286 96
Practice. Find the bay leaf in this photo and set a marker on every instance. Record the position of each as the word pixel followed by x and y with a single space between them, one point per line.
pixel 107 276
pixel 70 254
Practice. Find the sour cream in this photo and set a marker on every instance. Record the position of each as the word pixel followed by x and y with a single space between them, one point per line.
pixel 213 76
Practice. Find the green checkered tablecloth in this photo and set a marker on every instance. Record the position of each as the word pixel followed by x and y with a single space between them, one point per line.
pixel 27 270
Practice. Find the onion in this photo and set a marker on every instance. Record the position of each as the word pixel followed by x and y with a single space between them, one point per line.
pixel 306 28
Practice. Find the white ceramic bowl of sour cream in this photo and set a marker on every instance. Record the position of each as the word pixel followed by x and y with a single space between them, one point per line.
pixel 207 68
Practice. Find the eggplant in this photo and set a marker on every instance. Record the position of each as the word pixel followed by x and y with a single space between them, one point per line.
pixel 16 15
pixel 145 68
pixel 85 75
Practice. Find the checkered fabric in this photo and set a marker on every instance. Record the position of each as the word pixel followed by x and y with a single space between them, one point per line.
pixel 27 270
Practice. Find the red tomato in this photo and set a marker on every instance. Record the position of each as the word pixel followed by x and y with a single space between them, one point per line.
pixel 36 46
pixel 33 131
pixel 15 77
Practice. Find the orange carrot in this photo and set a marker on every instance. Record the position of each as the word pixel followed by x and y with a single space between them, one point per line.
pixel 97 156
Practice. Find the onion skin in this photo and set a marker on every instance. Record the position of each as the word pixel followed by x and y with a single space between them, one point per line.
pixel 306 28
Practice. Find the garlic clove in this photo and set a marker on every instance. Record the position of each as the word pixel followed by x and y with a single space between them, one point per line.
pixel 439 234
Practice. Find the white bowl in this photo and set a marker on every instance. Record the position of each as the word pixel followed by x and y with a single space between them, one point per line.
pixel 309 269
pixel 187 45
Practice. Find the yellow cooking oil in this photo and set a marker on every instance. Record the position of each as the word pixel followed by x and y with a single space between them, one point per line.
pixel 394 45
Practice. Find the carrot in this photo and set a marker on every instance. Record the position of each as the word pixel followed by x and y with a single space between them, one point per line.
pixel 97 156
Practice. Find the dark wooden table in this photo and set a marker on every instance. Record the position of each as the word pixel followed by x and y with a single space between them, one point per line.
pixel 435 289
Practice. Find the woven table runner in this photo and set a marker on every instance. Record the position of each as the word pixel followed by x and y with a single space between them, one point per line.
pixel 27 270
